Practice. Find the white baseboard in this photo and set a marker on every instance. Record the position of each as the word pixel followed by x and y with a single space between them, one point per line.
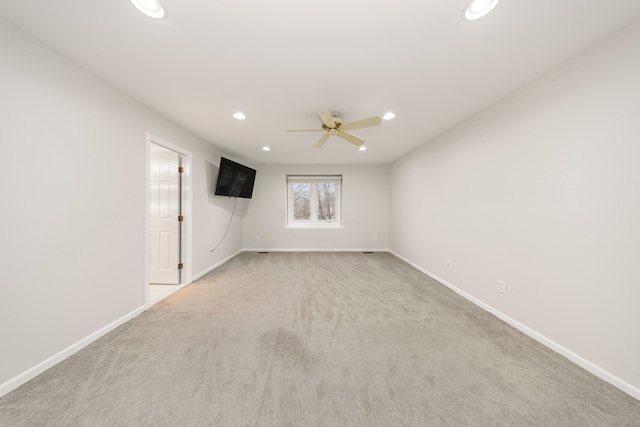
pixel 633 391
pixel 30 374
pixel 573 357
pixel 213 267
pixel 316 250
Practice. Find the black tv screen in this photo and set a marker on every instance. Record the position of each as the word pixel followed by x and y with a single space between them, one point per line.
pixel 234 179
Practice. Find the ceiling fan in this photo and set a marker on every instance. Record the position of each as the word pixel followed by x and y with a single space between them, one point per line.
pixel 332 125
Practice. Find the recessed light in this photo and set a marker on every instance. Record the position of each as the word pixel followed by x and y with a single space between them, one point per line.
pixel 388 116
pixel 151 8
pixel 476 9
pixel 266 148
pixel 362 148
pixel 239 115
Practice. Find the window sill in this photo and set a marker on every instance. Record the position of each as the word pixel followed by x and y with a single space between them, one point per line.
pixel 314 227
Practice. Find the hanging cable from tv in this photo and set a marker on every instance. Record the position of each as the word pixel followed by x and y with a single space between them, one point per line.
pixel 228 225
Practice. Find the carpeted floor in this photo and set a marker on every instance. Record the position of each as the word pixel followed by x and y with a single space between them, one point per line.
pixel 316 339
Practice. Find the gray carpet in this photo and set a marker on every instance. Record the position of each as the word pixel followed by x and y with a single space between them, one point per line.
pixel 316 339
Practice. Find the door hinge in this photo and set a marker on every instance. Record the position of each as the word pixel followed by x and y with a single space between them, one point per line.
pixel 180 169
pixel 180 218
pixel 180 266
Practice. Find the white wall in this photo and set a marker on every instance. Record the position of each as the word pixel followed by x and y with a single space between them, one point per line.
pixel 364 210
pixel 541 190
pixel 72 223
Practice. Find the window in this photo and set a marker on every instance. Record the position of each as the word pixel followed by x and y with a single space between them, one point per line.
pixel 314 201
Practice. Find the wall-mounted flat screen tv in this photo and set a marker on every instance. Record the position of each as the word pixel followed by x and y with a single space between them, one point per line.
pixel 234 179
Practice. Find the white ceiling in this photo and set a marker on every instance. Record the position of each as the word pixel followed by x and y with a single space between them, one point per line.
pixel 280 61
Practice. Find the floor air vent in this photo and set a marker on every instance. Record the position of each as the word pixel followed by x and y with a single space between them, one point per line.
pixel 367 252
pixel 263 252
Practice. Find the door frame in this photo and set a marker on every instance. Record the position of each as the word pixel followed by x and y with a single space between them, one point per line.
pixel 187 209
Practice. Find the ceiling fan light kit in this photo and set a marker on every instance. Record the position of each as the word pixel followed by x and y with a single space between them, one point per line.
pixel 333 126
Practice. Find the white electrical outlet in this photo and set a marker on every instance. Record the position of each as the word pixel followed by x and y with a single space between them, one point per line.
pixel 449 263
pixel 375 237
pixel 502 286
pixel 257 237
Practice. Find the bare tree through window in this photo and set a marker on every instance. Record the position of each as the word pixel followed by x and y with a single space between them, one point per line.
pixel 326 201
pixel 314 201
pixel 301 201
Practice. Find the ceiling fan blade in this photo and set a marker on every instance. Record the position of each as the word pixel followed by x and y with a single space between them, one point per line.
pixel 351 138
pixel 322 140
pixel 327 118
pixel 372 121
pixel 307 130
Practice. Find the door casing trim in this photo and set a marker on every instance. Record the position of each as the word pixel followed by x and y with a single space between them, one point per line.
pixel 187 210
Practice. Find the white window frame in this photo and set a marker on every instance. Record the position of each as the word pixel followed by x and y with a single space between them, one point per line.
pixel 313 222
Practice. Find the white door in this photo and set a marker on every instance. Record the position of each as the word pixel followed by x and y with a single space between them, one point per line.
pixel 164 209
